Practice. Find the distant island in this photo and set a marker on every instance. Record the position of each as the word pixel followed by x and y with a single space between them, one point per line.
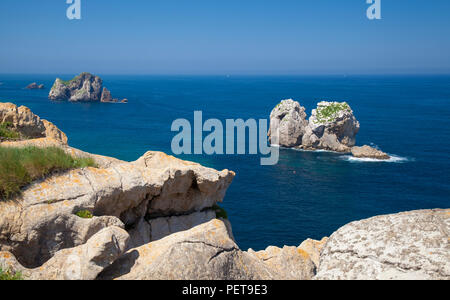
pixel 35 86
pixel 82 88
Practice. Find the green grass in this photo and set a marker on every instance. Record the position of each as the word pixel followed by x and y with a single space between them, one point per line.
pixel 20 166
pixel 10 275
pixel 85 214
pixel 220 212
pixel 6 132
pixel 329 113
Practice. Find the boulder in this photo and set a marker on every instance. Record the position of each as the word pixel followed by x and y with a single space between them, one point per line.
pixel 288 118
pixel 369 152
pixel 84 262
pixel 409 245
pixel 205 252
pixel 287 263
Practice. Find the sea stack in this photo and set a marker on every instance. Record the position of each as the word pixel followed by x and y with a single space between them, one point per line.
pixel 83 88
pixel 332 126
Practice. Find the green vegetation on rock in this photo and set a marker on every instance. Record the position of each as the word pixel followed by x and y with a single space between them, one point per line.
pixel 328 113
pixel 220 212
pixel 85 214
pixel 10 275
pixel 6 132
pixel 20 166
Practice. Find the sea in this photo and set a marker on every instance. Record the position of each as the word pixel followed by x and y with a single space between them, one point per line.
pixel 305 195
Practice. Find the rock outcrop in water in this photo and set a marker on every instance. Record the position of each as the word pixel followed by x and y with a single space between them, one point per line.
pixel 369 152
pixel 83 88
pixel 155 218
pixel 332 126
pixel 35 86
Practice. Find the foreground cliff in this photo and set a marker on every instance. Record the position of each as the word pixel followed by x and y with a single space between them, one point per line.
pixel 157 218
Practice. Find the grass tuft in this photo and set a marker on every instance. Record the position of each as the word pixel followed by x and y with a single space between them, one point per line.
pixel 329 113
pixel 85 214
pixel 7 133
pixel 20 166
pixel 10 275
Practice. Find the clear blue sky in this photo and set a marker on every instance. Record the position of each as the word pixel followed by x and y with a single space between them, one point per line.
pixel 225 37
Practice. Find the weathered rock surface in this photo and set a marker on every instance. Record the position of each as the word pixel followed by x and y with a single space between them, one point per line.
pixel 204 252
pixel 84 262
pixel 287 263
pixel 314 249
pixel 84 87
pixel 410 245
pixel 35 86
pixel 289 119
pixel 156 185
pixel 332 126
pixel 369 152
pixel 28 124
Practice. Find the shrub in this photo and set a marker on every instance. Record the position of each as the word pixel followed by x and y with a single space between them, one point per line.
pixel 220 212
pixel 21 166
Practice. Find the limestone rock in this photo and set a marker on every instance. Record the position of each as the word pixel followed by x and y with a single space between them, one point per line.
pixel 410 245
pixel 313 248
pixel 84 262
pixel 28 124
pixel 332 126
pixel 205 252
pixel 369 152
pixel 165 226
pixel 43 220
pixel 288 263
pixel 84 87
pixel 288 118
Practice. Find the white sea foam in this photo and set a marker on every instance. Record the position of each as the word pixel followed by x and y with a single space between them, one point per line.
pixel 393 159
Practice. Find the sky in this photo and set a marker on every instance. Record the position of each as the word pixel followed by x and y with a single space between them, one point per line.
pixel 250 37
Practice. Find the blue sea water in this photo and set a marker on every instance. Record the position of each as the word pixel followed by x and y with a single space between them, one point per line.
pixel 307 194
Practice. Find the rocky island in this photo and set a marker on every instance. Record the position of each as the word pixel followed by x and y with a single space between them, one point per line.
pixel 158 218
pixel 83 88
pixel 35 86
pixel 331 126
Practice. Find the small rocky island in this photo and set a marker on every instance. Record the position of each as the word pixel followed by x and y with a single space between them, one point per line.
pixel 158 218
pixel 83 88
pixel 35 86
pixel 331 126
